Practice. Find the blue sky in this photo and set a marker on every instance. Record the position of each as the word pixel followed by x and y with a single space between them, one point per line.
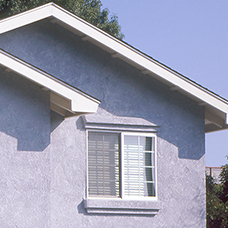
pixel 191 37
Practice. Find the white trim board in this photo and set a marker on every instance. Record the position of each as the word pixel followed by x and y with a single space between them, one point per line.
pixel 213 103
pixel 65 99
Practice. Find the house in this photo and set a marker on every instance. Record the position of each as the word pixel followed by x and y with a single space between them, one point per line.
pixel 94 133
pixel 214 172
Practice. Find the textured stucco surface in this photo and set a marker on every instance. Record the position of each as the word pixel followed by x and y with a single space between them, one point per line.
pixel 44 183
pixel 24 153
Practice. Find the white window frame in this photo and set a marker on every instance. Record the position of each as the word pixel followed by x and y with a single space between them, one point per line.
pixel 122 196
pixel 152 135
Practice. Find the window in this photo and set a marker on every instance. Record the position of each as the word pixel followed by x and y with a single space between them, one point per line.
pixel 121 165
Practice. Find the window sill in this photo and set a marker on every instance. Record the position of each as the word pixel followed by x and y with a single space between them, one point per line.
pixel 127 207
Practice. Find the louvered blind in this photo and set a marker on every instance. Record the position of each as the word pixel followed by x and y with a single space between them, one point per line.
pixel 103 161
pixel 139 166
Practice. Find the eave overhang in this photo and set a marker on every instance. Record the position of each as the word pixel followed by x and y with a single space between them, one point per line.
pixel 216 107
pixel 64 99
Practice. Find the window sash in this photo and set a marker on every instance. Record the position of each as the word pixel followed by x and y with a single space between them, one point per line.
pixel 129 173
pixel 103 164
pixel 138 165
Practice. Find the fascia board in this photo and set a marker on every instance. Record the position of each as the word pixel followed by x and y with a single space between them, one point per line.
pixel 139 59
pixel 80 102
pixel 26 18
pixel 117 46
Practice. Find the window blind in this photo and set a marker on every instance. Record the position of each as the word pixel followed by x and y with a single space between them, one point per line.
pixel 103 162
pixel 139 166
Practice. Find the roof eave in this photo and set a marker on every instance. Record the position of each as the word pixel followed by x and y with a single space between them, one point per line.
pixel 213 103
pixel 64 99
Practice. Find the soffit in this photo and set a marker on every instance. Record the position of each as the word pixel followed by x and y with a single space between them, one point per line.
pixel 216 107
pixel 104 120
pixel 64 99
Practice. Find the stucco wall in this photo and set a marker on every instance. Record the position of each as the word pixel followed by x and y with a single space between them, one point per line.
pixel 123 91
pixel 24 153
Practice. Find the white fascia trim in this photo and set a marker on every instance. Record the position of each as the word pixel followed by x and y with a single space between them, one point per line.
pixel 80 102
pixel 117 46
pixel 26 18
pixel 138 58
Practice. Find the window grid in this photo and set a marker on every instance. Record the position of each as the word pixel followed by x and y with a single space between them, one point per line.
pixel 134 169
pixel 138 177
pixel 103 162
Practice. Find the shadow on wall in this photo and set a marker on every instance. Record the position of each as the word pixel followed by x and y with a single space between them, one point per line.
pixel 180 118
pixel 123 90
pixel 56 120
pixel 25 112
pixel 82 210
pixel 188 140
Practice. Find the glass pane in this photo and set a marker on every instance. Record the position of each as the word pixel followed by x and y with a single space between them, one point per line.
pixel 139 176
pixel 149 189
pixel 148 159
pixel 103 160
pixel 148 174
pixel 148 143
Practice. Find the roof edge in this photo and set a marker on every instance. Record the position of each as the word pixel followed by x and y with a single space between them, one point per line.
pixel 49 11
pixel 66 96
pixel 125 44
pixel 146 63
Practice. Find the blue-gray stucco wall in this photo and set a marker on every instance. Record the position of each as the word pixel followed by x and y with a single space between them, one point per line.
pixel 24 157
pixel 123 91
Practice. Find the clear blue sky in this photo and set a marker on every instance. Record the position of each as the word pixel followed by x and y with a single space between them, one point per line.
pixel 191 37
